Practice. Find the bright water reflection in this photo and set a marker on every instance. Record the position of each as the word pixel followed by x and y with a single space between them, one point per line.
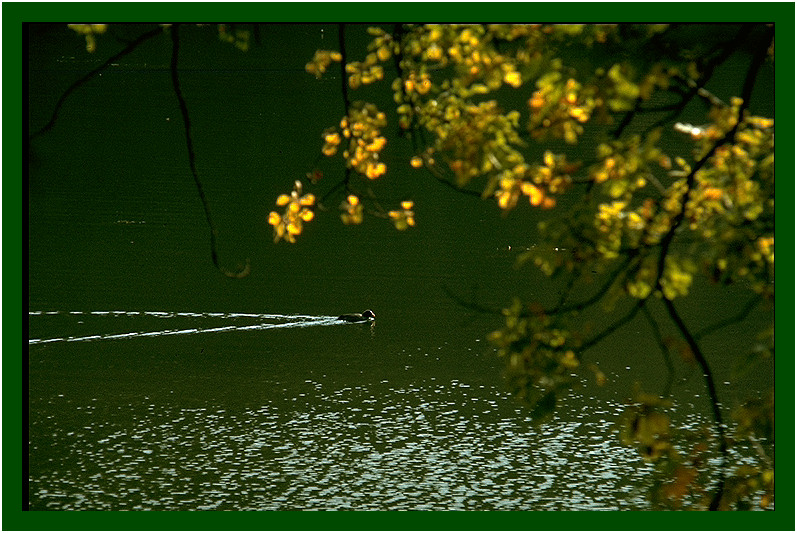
pixel 342 454
pixel 347 417
pixel 433 445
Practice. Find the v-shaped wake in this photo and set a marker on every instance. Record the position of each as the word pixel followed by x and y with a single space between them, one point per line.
pixel 265 321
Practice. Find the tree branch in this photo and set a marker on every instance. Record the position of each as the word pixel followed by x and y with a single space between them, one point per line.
pixel 192 165
pixel 129 48
pixel 695 87
pixel 738 317
pixel 747 90
pixel 472 305
pixel 664 351
pixel 440 178
pixel 600 293
pixel 712 393
pixel 344 91
pixel 614 327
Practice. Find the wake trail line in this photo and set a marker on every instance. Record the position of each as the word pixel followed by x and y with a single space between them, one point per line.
pixel 171 314
pixel 279 321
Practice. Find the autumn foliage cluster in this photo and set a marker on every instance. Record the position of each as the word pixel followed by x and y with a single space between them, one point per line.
pixel 645 180
pixel 536 113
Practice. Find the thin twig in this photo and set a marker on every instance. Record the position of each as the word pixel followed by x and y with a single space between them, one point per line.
pixel 566 291
pixel 613 327
pixel 440 178
pixel 712 393
pixel 472 305
pixel 654 326
pixel 738 317
pixel 695 88
pixel 330 192
pixel 192 164
pixel 600 293
pixel 344 91
pixel 344 79
pixel 760 449
pixel 129 48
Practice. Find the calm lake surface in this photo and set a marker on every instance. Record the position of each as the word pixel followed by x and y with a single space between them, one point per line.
pixel 156 383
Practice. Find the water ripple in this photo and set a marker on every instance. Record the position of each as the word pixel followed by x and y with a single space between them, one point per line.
pixel 343 449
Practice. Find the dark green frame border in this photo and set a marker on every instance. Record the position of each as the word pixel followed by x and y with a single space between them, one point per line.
pixel 14 14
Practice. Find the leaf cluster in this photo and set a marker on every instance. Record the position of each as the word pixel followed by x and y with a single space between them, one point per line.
pixel 586 121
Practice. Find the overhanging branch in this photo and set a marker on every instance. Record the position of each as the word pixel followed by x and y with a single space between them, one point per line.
pixel 613 327
pixel 747 90
pixel 738 317
pixel 192 163
pixel 712 393
pixel 127 49
pixel 654 326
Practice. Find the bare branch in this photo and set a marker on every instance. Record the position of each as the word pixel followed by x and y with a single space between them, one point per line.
pixel 600 293
pixel 695 87
pixel 654 326
pixel 472 305
pixel 129 48
pixel 712 393
pixel 738 317
pixel 192 163
pixel 613 327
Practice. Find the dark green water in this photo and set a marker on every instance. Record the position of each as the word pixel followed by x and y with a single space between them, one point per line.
pixel 157 383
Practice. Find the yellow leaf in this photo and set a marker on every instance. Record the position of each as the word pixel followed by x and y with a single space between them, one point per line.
pixel 534 193
pixel 512 78
pixel 383 53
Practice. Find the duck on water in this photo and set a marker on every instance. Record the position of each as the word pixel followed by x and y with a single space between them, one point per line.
pixel 365 316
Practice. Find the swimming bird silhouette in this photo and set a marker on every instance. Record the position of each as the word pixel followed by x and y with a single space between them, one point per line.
pixel 365 316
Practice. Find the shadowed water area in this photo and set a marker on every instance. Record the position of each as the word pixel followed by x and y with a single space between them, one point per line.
pixel 157 383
